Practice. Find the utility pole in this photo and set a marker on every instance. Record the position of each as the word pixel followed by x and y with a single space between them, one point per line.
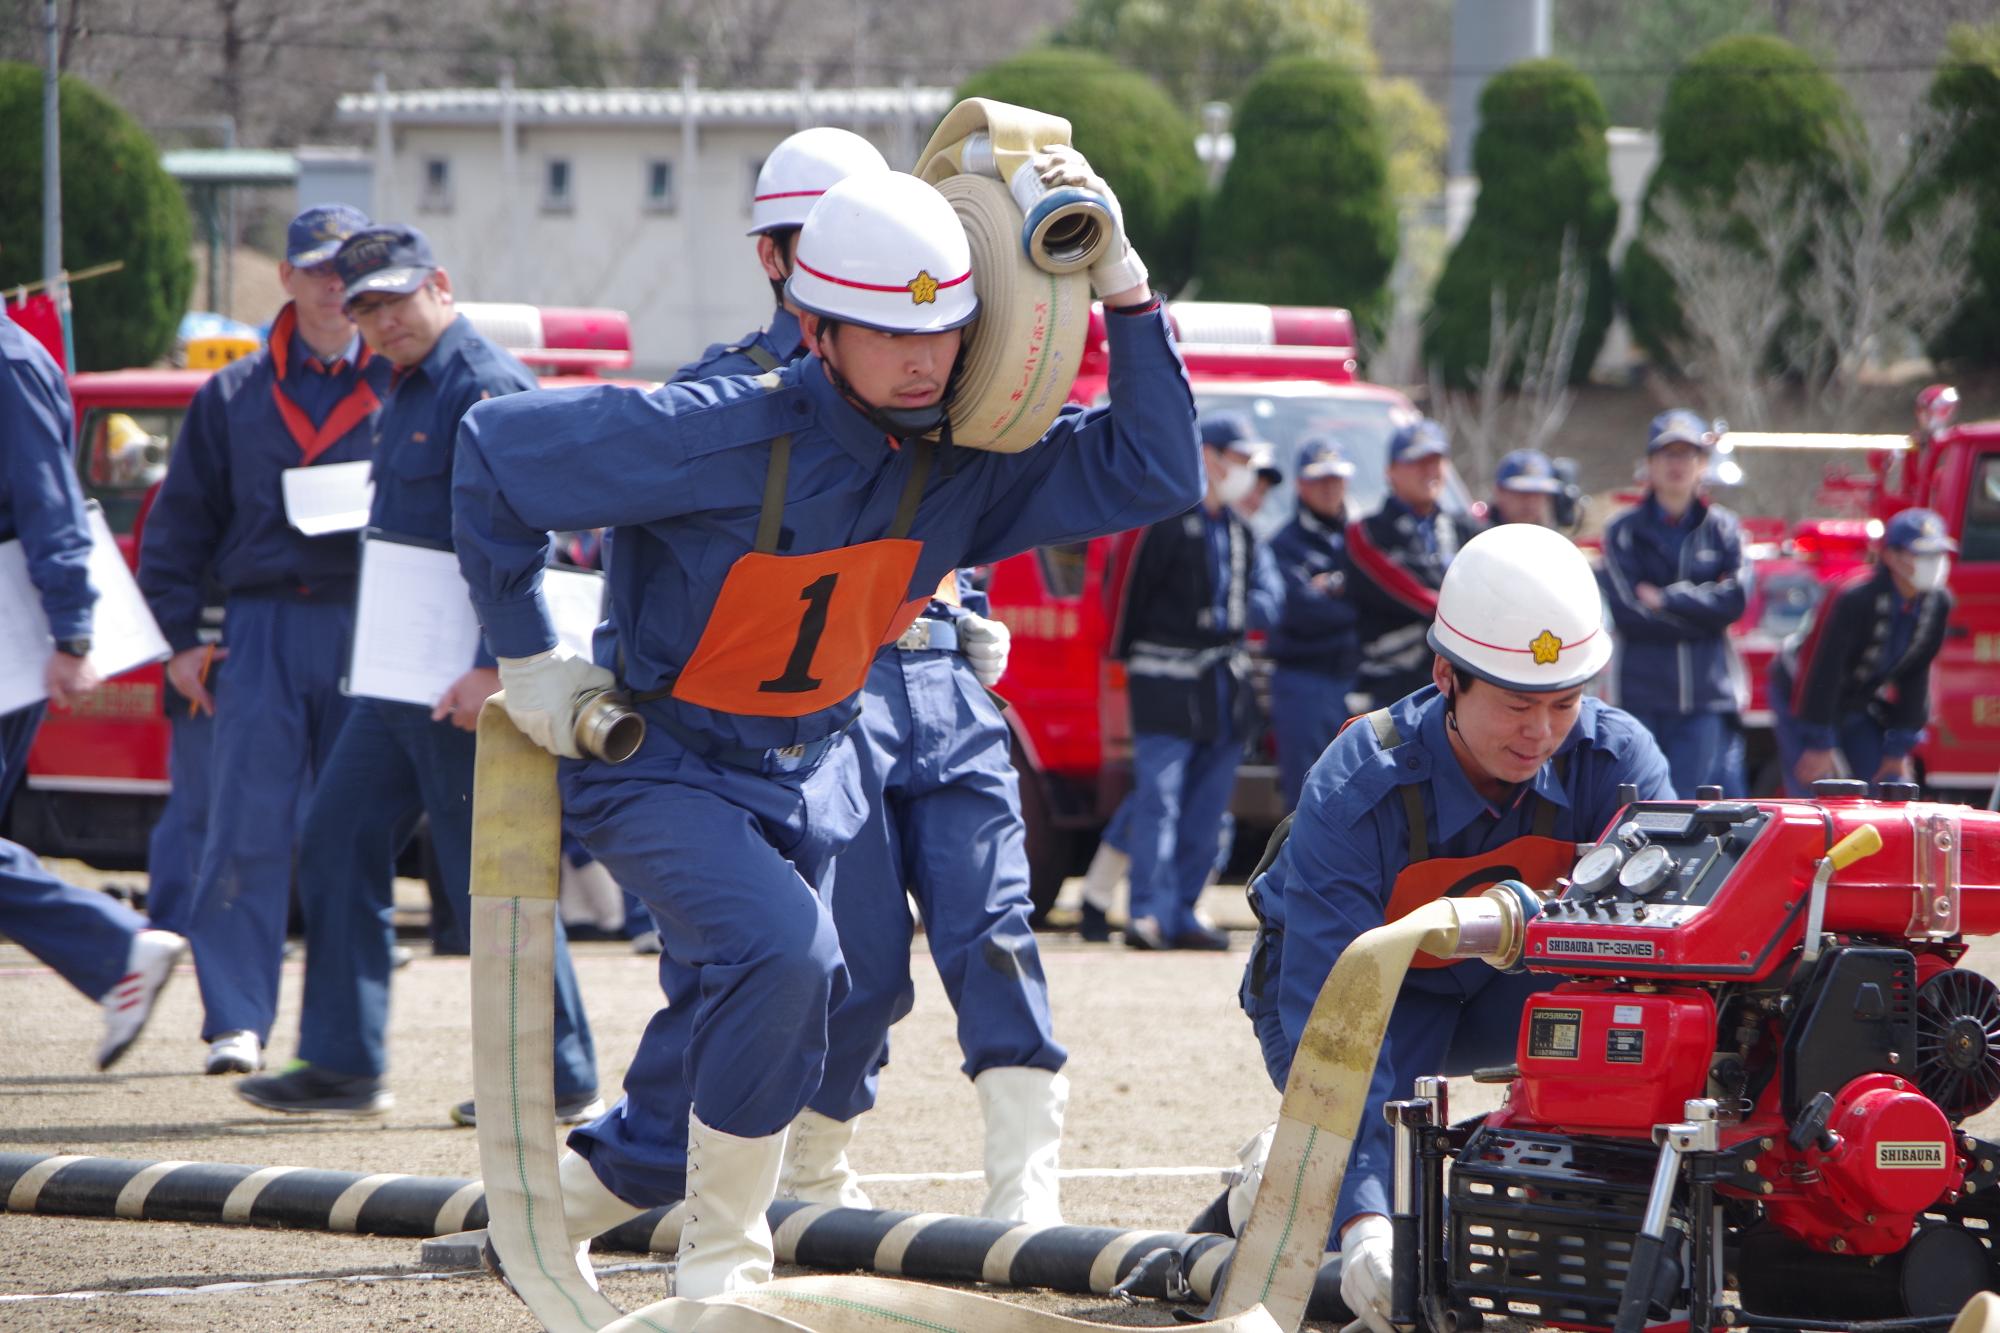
pixel 52 256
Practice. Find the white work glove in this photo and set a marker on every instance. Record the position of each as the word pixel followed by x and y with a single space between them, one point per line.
pixel 541 695
pixel 1366 1250
pixel 985 644
pixel 1121 269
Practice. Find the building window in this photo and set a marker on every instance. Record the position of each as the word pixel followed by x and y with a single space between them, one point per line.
pixel 750 195
pixel 437 185
pixel 558 196
pixel 660 186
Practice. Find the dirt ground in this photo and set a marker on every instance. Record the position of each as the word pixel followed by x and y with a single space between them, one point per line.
pixel 1163 1070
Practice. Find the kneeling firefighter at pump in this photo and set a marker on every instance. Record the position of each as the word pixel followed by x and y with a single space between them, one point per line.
pixel 1492 772
pixel 772 534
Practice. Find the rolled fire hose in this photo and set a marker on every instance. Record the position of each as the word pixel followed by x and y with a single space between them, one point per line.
pixel 515 839
pixel 1030 246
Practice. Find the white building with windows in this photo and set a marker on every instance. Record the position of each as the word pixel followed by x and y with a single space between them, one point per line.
pixel 634 198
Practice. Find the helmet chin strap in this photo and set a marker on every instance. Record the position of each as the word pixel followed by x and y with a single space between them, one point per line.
pixel 902 423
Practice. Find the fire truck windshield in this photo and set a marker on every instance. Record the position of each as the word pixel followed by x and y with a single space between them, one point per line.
pixel 1361 419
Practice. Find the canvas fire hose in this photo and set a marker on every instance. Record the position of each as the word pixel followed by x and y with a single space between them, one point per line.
pixel 1030 247
pixel 516 834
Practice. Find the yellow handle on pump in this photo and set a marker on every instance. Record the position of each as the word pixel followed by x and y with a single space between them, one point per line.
pixel 1859 845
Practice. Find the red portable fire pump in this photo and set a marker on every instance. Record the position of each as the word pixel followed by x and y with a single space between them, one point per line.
pixel 1755 1078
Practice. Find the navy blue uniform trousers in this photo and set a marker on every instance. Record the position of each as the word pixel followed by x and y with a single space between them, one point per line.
pixel 943 825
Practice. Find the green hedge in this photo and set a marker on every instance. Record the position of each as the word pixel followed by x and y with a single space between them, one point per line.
pixel 1967 89
pixel 1131 132
pixel 1304 215
pixel 1742 100
pixel 118 203
pixel 1544 172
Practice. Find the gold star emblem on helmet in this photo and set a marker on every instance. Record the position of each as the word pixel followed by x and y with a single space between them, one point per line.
pixel 1546 647
pixel 923 288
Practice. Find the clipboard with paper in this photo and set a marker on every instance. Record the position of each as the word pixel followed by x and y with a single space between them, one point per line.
pixel 415 631
pixel 123 633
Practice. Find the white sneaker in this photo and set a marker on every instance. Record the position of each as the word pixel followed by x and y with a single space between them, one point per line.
pixel 647 941
pixel 1105 877
pixel 129 1004
pixel 816 1169
pixel 1023 1108
pixel 726 1240
pixel 235 1053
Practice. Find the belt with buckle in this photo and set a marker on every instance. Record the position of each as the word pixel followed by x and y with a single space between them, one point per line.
pixel 928 633
pixel 782 759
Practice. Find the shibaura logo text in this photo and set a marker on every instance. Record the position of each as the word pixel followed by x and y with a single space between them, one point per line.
pixel 1891 1156
pixel 1569 946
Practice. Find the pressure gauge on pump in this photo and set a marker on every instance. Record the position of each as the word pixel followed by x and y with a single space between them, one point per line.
pixel 1598 868
pixel 1650 867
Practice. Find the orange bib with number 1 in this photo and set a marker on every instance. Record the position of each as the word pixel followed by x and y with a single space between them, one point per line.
pixel 792 634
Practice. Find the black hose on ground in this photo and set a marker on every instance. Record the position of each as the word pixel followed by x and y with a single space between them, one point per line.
pixel 938 1248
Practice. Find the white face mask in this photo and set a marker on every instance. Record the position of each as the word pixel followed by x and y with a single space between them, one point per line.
pixel 1235 484
pixel 1931 571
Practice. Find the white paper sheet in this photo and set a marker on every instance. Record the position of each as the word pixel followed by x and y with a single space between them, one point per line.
pixel 123 633
pixel 414 628
pixel 334 497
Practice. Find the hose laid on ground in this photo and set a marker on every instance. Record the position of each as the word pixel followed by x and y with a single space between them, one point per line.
pixel 516 822
pixel 1022 355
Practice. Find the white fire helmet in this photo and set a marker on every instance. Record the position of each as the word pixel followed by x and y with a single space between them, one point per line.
pixel 803 168
pixel 886 252
pixel 1520 608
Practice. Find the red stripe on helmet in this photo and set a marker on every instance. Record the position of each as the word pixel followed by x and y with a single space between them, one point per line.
pixel 788 194
pixel 877 287
pixel 1565 644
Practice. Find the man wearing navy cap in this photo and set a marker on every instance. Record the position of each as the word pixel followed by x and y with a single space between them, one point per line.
pixel 396 761
pixel 1525 487
pixel 307 399
pixel 1396 558
pixel 1673 579
pixel 1314 643
pixel 1853 683
pixel 1198 583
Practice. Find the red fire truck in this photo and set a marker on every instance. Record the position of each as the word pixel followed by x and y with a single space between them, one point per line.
pixel 98 772
pixel 1291 370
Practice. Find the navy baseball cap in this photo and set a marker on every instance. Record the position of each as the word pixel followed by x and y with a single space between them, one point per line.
pixel 396 260
pixel 1527 470
pixel 1231 433
pixel 1320 457
pixel 1918 531
pixel 316 233
pixel 1678 426
pixel 1422 438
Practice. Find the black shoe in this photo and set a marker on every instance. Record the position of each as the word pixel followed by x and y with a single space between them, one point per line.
pixel 1205 938
pixel 1095 927
pixel 303 1089
pixel 569 1110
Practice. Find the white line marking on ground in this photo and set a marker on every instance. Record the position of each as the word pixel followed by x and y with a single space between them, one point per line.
pixel 132 1199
